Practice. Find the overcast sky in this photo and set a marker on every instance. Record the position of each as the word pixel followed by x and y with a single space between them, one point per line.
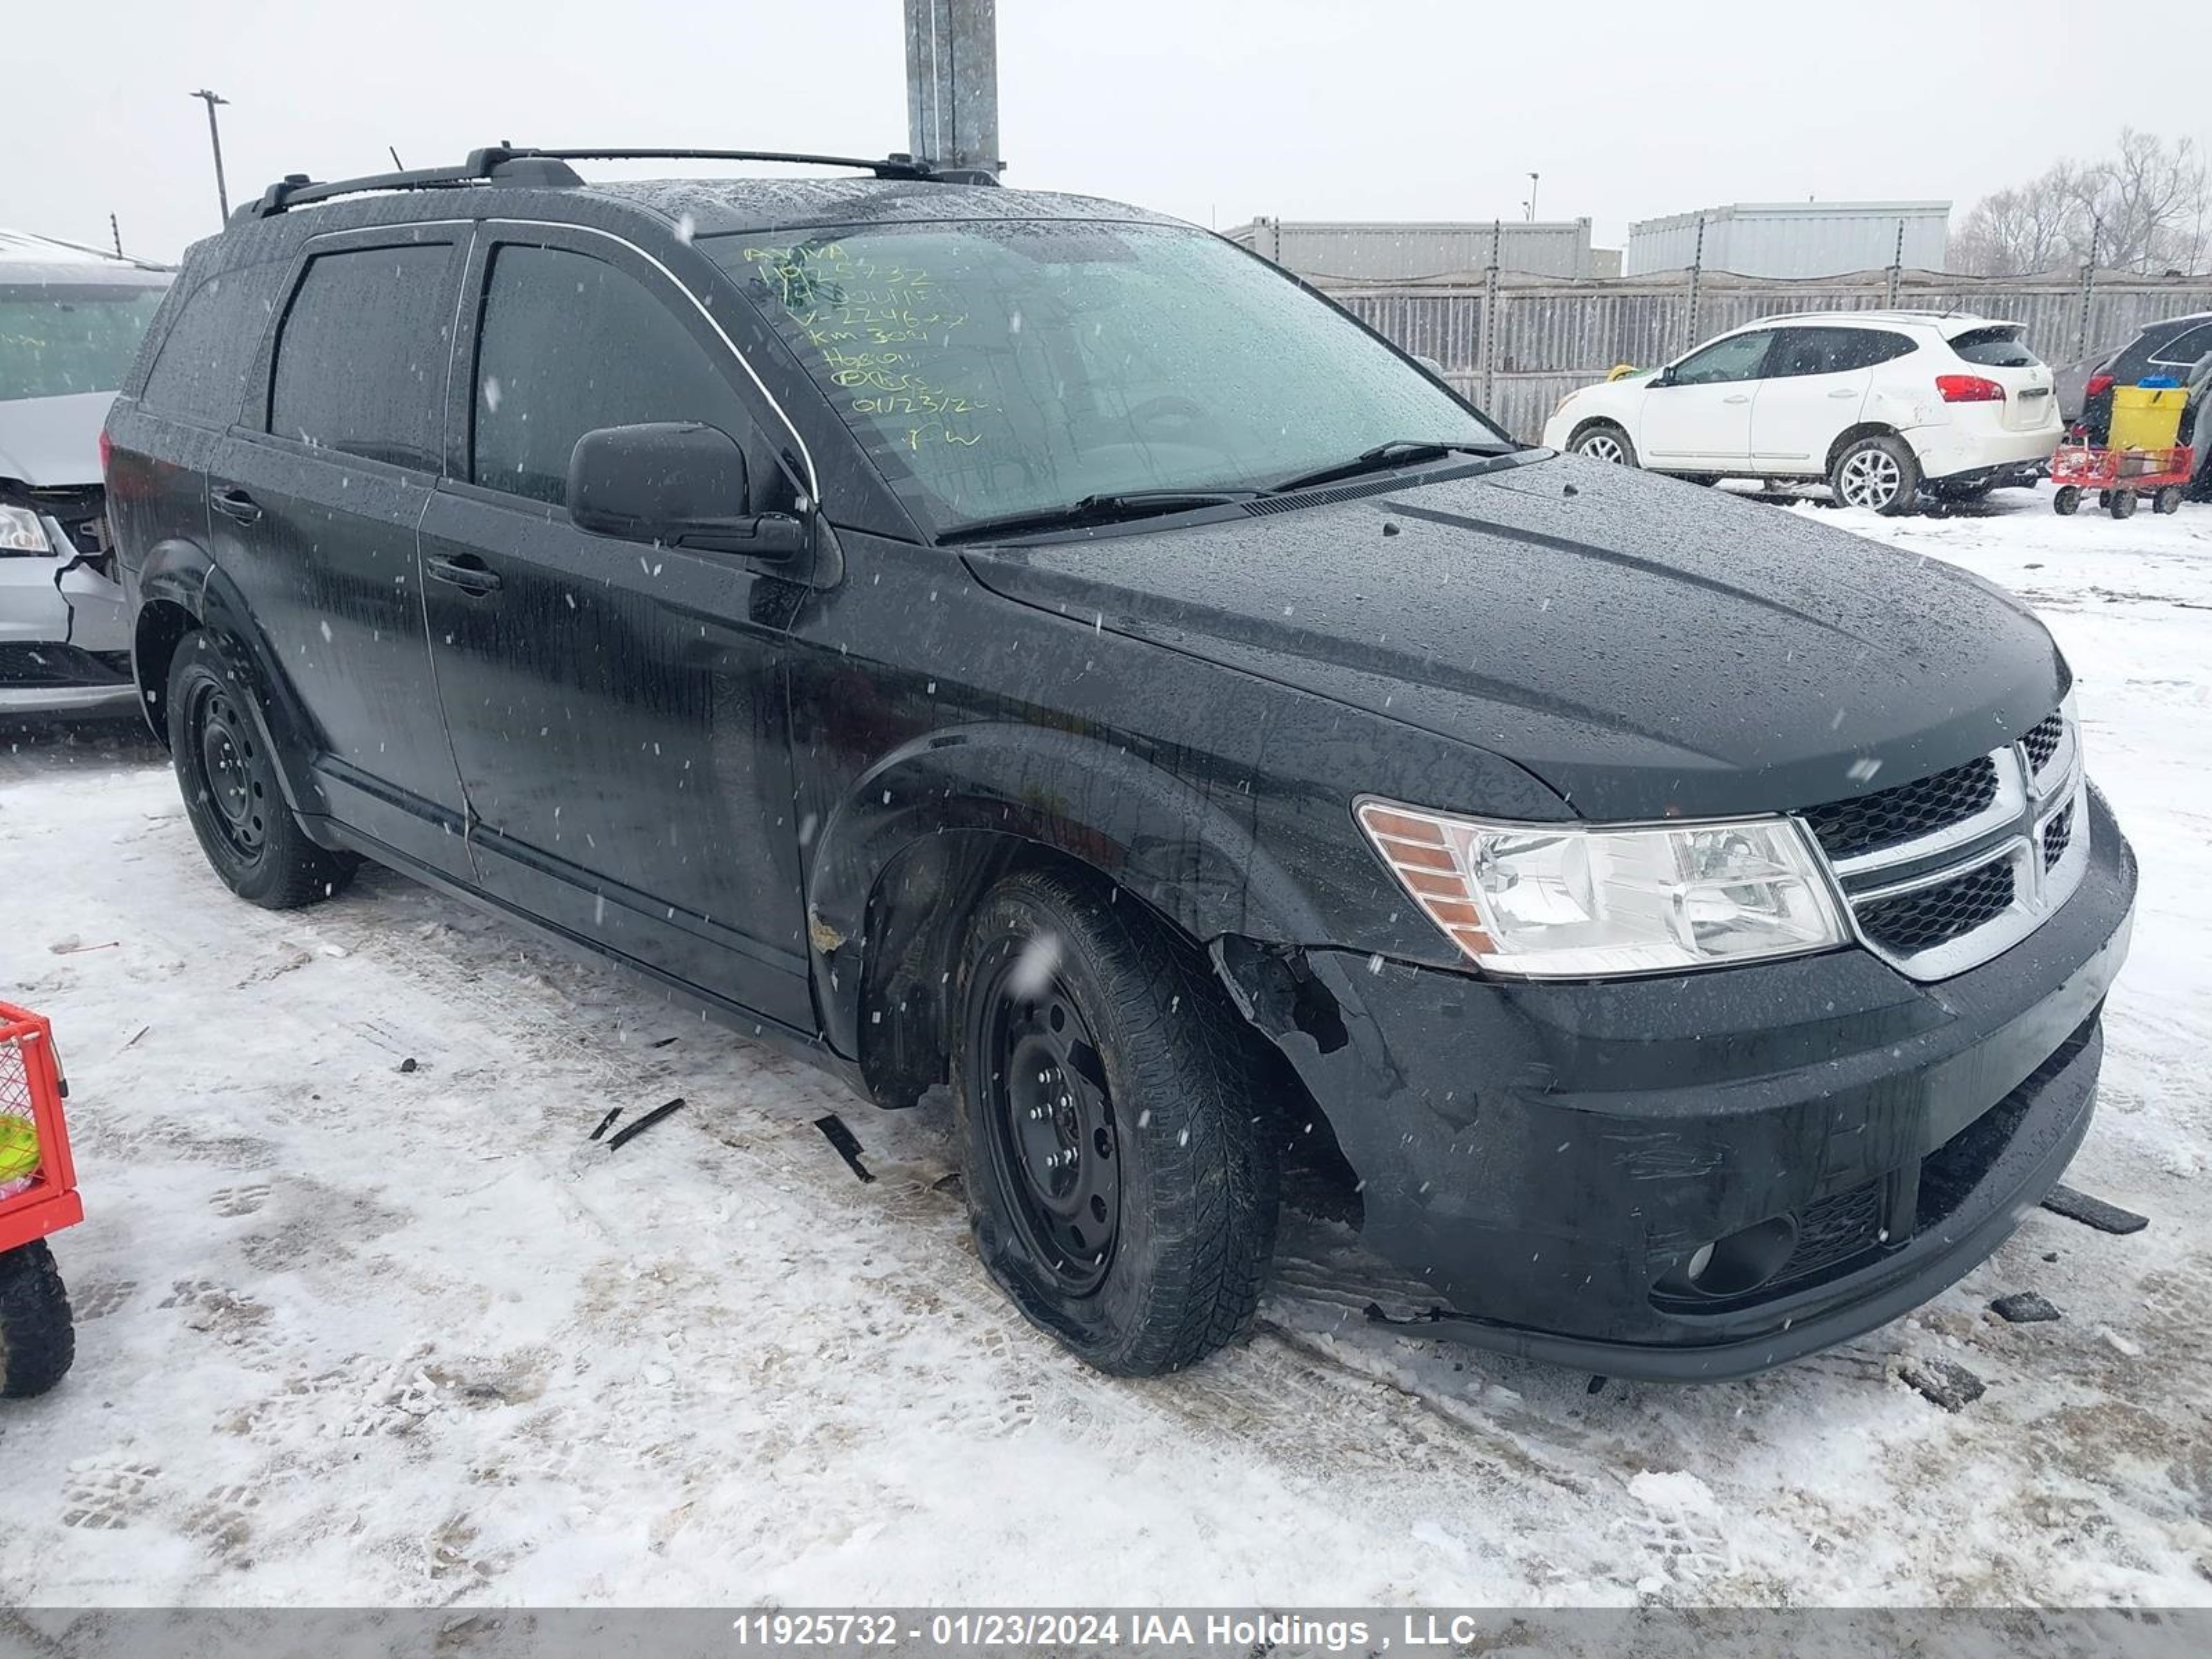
pixel 1211 110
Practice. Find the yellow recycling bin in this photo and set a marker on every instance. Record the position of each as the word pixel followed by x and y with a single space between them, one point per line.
pixel 2146 416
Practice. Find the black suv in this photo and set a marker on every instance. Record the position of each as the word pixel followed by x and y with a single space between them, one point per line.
pixel 1022 642
pixel 2170 346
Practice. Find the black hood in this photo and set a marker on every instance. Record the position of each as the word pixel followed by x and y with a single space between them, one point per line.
pixel 1647 648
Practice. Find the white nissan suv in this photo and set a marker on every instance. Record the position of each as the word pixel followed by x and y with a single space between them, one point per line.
pixel 1880 403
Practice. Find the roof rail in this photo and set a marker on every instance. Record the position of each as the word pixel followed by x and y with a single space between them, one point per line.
pixel 508 164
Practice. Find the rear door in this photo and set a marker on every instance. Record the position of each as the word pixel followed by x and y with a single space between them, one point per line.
pixel 1999 353
pixel 313 501
pixel 617 709
pixel 1700 417
pixel 1817 381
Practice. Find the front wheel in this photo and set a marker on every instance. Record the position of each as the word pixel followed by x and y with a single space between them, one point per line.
pixel 1603 442
pixel 1880 473
pixel 2068 501
pixel 2168 501
pixel 231 792
pixel 1121 1179
pixel 2123 504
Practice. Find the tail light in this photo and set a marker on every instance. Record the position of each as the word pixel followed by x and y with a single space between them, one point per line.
pixel 106 448
pixel 2098 386
pixel 1968 389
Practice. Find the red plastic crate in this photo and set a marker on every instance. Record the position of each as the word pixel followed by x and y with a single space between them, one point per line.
pixel 32 1089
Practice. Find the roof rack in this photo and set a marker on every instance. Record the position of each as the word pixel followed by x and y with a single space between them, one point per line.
pixel 508 164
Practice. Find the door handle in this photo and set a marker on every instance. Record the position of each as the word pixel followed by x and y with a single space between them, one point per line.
pixel 468 573
pixel 235 504
pixel 1847 392
pixel 1737 398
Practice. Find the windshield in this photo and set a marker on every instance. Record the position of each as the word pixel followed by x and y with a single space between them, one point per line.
pixel 58 337
pixel 997 368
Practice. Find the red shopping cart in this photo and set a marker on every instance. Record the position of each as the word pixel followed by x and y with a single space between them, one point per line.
pixel 37 1197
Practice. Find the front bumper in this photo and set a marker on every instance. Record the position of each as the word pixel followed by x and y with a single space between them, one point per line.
pixel 1546 1157
pixel 64 632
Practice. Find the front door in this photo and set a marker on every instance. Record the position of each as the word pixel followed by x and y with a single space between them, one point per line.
pixel 1817 381
pixel 616 709
pixel 313 518
pixel 1699 416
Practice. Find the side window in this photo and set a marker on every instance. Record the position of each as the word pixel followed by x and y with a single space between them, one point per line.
pixel 361 357
pixel 201 370
pixel 2186 350
pixel 1739 357
pixel 569 345
pixel 1832 350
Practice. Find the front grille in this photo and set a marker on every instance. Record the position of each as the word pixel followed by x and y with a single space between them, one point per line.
pixel 2042 743
pixel 1936 914
pixel 1832 1229
pixel 2058 836
pixel 1887 818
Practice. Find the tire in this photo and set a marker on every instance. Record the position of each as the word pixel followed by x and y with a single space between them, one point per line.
pixel 2068 501
pixel 231 793
pixel 2123 504
pixel 1088 1033
pixel 1602 441
pixel 1879 472
pixel 1962 495
pixel 38 1342
pixel 2168 501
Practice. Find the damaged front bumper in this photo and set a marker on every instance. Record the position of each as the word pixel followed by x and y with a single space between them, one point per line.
pixel 64 625
pixel 1550 1159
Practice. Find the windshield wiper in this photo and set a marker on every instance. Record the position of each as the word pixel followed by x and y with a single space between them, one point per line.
pixel 1399 452
pixel 1116 506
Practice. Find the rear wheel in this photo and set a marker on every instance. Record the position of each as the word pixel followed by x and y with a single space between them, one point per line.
pixel 1602 441
pixel 2169 500
pixel 228 778
pixel 1878 473
pixel 2068 500
pixel 37 1344
pixel 1119 1180
pixel 2123 505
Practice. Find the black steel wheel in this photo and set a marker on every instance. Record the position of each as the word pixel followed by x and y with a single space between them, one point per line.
pixel 1116 1116
pixel 231 794
pixel 2068 500
pixel 1050 1120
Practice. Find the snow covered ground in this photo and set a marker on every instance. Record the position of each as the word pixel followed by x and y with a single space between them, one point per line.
pixel 352 1331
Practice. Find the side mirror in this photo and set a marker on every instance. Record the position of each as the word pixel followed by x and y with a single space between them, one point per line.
pixel 1664 377
pixel 678 482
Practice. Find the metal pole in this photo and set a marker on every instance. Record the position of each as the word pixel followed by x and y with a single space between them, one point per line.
pixel 1533 178
pixel 1897 265
pixel 1489 314
pixel 2088 290
pixel 952 84
pixel 1697 264
pixel 215 139
pixel 115 231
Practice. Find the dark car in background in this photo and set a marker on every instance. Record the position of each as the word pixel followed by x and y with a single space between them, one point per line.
pixel 2170 348
pixel 70 322
pixel 1022 645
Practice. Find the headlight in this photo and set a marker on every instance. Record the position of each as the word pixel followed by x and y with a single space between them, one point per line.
pixel 1567 900
pixel 21 532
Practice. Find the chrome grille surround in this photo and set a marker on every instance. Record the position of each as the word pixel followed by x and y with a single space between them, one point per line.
pixel 2036 825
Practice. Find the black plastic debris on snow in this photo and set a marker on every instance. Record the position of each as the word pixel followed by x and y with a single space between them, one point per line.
pixel 1949 1384
pixel 2024 1307
pixel 607 1122
pixel 623 1137
pixel 849 1148
pixel 2094 1212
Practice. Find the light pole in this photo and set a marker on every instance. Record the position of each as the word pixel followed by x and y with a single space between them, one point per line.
pixel 1532 197
pixel 215 139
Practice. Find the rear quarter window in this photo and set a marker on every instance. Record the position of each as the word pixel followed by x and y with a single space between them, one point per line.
pixel 201 368
pixel 1994 347
pixel 2185 351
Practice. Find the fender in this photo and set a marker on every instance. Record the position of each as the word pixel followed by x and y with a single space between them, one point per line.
pixel 180 572
pixel 1157 834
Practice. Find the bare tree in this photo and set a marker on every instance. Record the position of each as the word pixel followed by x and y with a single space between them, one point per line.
pixel 2148 208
